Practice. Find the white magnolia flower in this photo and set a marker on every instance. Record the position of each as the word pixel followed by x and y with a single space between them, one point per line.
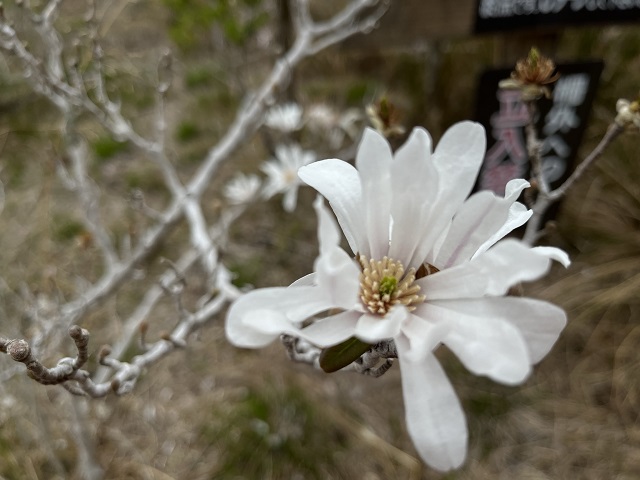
pixel 282 173
pixel 429 271
pixel 242 189
pixel 286 118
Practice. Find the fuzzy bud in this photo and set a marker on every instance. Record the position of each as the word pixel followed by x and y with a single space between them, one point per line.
pixel 19 350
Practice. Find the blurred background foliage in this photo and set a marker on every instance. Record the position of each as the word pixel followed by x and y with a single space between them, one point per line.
pixel 213 411
pixel 192 21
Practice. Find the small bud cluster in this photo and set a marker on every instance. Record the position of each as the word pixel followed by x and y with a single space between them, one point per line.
pixel 628 113
pixel 385 118
pixel 532 75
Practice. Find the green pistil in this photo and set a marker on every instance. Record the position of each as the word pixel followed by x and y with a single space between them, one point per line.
pixel 388 285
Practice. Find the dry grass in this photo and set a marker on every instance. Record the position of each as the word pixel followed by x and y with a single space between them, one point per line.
pixel 213 411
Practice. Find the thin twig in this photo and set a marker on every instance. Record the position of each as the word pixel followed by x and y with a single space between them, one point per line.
pixel 547 198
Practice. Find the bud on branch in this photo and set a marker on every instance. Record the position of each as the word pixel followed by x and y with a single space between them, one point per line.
pixel 66 369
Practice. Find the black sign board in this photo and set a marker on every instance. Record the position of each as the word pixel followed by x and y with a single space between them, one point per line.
pixel 561 123
pixel 501 15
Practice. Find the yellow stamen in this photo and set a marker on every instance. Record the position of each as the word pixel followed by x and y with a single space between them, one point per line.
pixel 383 284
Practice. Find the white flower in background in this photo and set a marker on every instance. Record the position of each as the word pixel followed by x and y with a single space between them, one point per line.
pixel 336 126
pixel 321 116
pixel 429 271
pixel 282 173
pixel 286 118
pixel 349 122
pixel 242 189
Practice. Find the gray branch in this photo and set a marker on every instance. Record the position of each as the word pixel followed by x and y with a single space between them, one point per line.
pixel 547 197
pixel 20 351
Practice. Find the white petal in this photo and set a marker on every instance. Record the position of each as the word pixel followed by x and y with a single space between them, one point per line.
pixel 331 330
pixel 275 181
pixel 423 336
pixel 339 183
pixel 306 281
pixel 374 328
pixel 267 321
pixel 322 333
pixel 294 303
pixel 414 183
pixel 466 140
pixel 434 416
pixel 241 335
pixel 486 345
pixel 539 322
pixel 540 325
pixel 478 218
pixel 554 254
pixel 373 162
pixel 338 277
pixel 514 188
pixel 290 199
pixel 481 221
pixel 518 216
pixel 518 213
pixel 457 160
pixel 328 232
pixel 337 274
pixel 492 273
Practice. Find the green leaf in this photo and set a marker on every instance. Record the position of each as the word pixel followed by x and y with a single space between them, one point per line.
pixel 339 356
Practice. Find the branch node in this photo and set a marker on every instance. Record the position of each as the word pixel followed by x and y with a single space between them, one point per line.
pixel 19 350
pixel 178 343
pixel 115 385
pixel 143 329
pixel 104 352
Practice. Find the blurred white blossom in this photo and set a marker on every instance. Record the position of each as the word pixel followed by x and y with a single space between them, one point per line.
pixel 429 270
pixel 334 125
pixel 242 189
pixel 321 116
pixel 282 173
pixel 285 118
pixel 350 123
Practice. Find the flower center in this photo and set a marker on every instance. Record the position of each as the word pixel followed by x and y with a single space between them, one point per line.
pixel 290 176
pixel 383 284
